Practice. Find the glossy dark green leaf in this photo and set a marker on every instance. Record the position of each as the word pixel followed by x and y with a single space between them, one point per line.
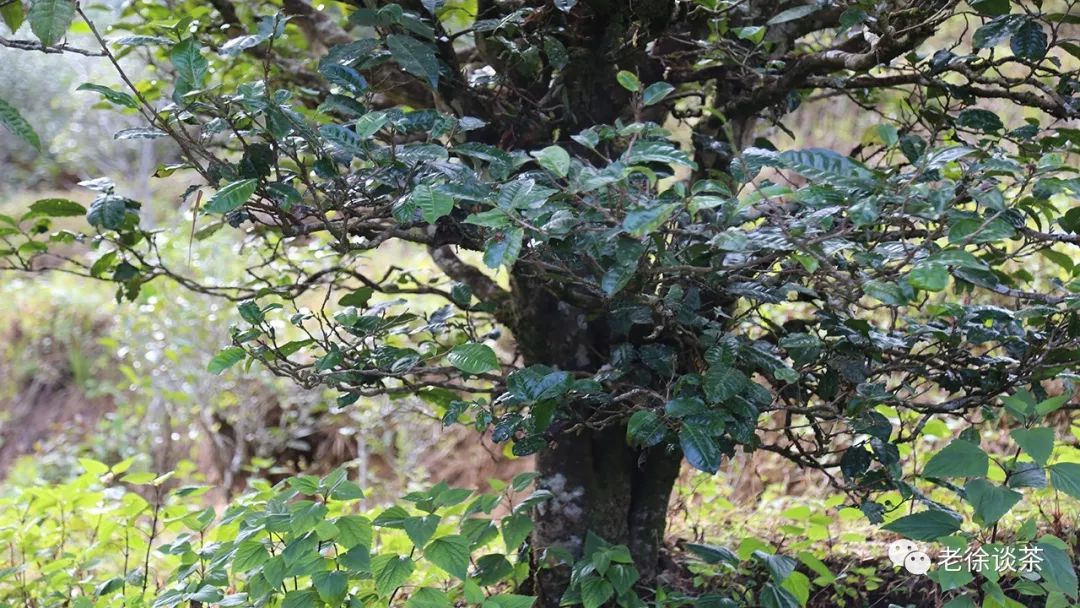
pixel 50 19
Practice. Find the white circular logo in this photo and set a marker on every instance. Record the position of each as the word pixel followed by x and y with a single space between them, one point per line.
pixel 898 550
pixel 917 562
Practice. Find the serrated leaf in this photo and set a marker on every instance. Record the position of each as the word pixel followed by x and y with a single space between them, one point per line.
pixel 139 133
pixel 503 248
pixel 13 15
pixel 50 19
pixel 643 222
pixel 14 121
pixel 958 459
pixel 426 597
pixel 1029 40
pixel 450 553
pixel 432 203
pixel 345 77
pixel 108 212
pixel 554 159
pixel 119 98
pixel 343 138
pixel 645 429
pixel 991 501
pixel 191 67
pixel 1058 570
pixel 370 123
pixel 925 525
pixel 249 554
pixel 225 359
pixel 1065 477
pixel 793 14
pixel 657 152
pixel 595 591
pixel 993 32
pixel 232 196
pixel 473 358
pixel 421 529
pixel 929 276
pixel 980 120
pixel 515 529
pixel 57 207
pixel 1037 442
pixel 699 448
pixel 390 571
pixel 415 57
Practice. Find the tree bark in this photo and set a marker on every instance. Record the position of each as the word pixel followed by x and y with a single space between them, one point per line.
pixel 600 485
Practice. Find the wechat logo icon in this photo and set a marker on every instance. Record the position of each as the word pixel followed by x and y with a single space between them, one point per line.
pixel 909 555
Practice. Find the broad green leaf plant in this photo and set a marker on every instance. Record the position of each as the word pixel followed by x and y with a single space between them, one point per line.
pixel 634 274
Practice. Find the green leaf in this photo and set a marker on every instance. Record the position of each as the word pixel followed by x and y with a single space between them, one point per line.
pixel 225 359
pixel 645 429
pixel 426 597
pixel 554 159
pixel 699 448
pixel 503 248
pixel 1037 442
pixel 628 81
pixel 14 121
pixel 344 138
pixel 722 382
pixel 991 501
pixel 657 152
pixel 991 8
pixel 1052 404
pixel 1029 40
pixel 421 529
pixel 432 203
pixel 595 591
pixel 57 207
pixel 304 598
pixel 117 97
pixel 1065 476
pixel 509 600
pixel 108 212
pixel 794 14
pixel 50 19
pixel 958 459
pixel 772 596
pixel 451 553
pixel 345 77
pixel 13 15
pixel 980 120
pixel 370 123
pixel 249 554
pixel 415 57
pixel 1057 569
pixel 929 276
pixel 332 587
pixel 993 32
pixel 191 67
pixel 232 196
pixel 926 525
pixel 390 571
pixel 646 221
pixel 656 92
pixel 473 358
pixel 515 529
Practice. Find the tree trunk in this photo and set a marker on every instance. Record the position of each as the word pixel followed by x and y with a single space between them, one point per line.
pixel 601 485
pixel 598 482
